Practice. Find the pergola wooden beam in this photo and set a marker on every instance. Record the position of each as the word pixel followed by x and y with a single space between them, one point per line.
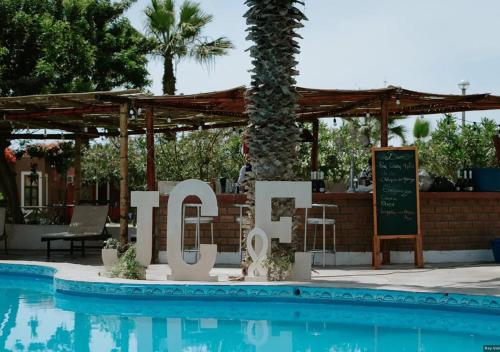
pixel 150 168
pixel 78 170
pixel 41 124
pixel 314 145
pixel 14 116
pixel 124 196
pixel 150 162
pixel 224 108
pixel 384 124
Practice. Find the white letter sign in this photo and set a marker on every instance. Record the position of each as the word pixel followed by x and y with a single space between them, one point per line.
pixel 145 202
pixel 208 252
pixel 265 191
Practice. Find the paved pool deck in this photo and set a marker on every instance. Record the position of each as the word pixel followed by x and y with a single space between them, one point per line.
pixel 473 279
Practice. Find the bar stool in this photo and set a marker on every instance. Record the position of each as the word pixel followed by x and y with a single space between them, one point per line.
pixel 239 219
pixel 321 221
pixel 197 220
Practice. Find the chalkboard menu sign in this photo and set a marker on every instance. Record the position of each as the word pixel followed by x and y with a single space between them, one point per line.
pixel 395 179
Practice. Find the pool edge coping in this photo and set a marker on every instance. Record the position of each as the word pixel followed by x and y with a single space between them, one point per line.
pixel 290 291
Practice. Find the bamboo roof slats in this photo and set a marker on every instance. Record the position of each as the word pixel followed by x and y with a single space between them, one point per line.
pixel 77 113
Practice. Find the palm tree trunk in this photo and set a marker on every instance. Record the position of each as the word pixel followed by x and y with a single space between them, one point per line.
pixel 271 105
pixel 168 75
pixel 8 183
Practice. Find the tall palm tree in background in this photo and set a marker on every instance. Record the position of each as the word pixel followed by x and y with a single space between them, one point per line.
pixel 271 104
pixel 178 36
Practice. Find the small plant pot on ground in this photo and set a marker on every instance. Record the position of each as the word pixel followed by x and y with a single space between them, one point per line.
pixel 495 245
pixel 109 257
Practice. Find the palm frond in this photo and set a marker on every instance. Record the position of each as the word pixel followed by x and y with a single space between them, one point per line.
pixel 161 16
pixel 177 40
pixel 207 51
pixel 192 20
pixel 398 131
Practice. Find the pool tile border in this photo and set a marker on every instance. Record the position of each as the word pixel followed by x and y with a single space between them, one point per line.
pixel 288 292
pixel 26 269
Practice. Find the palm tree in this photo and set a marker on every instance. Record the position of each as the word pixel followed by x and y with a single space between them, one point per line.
pixel 178 36
pixel 272 102
pixel 368 129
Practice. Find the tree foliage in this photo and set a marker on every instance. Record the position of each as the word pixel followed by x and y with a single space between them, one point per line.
pixel 421 128
pixel 180 35
pixel 53 46
pixel 201 154
pixel 368 129
pixel 337 147
pixel 451 148
pixel 101 163
pixel 49 46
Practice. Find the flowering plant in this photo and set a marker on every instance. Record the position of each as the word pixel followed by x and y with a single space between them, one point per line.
pixel 9 156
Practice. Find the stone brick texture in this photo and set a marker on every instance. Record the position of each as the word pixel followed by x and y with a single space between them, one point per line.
pixel 449 221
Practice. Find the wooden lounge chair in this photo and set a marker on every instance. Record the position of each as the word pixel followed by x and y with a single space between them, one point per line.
pixel 3 232
pixel 88 223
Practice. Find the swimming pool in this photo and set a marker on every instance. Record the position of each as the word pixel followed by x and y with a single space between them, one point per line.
pixel 34 317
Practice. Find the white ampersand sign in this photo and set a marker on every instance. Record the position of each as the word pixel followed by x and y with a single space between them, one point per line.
pixel 257 269
pixel 257 332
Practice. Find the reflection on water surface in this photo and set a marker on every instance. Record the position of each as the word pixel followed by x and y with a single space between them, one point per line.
pixel 32 318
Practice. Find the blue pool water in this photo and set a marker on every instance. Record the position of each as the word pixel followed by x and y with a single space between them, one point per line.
pixel 34 318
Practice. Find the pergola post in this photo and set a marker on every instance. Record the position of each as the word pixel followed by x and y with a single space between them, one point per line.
pixel 384 142
pixel 384 124
pixel 124 173
pixel 77 181
pixel 150 146
pixel 150 168
pixel 314 145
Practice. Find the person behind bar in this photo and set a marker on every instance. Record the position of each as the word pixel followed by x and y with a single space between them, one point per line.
pixel 365 178
pixel 244 169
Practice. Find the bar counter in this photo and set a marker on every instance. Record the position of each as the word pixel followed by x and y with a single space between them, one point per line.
pixel 450 221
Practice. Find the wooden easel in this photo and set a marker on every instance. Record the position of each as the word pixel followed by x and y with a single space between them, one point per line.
pixel 377 238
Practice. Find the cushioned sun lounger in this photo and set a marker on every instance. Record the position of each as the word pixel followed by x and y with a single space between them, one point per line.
pixel 88 223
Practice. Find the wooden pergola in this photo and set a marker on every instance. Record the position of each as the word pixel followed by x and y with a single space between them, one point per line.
pixel 130 112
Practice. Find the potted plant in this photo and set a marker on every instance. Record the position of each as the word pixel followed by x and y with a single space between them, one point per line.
pixel 127 266
pixel 479 146
pixel 110 252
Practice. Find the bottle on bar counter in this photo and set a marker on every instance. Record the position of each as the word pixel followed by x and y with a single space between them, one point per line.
pixel 460 182
pixel 321 182
pixel 470 184
pixel 465 181
pixel 314 182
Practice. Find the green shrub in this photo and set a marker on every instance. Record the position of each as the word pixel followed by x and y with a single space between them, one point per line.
pixel 128 267
pixel 451 148
pixel 111 243
pixel 279 263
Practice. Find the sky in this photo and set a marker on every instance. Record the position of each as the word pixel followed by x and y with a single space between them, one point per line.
pixel 423 45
